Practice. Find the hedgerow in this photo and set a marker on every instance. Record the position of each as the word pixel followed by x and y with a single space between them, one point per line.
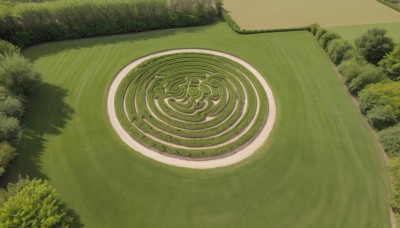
pixel 31 23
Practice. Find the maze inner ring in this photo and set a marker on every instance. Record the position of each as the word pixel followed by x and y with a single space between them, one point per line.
pixel 191 104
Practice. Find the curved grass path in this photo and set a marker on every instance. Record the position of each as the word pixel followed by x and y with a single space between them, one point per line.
pixel 320 167
pixel 243 153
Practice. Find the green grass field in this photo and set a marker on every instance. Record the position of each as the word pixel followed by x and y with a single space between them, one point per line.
pixel 321 167
pixel 274 14
pixel 353 31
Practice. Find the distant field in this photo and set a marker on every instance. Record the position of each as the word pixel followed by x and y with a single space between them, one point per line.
pixel 321 166
pixel 353 31
pixel 275 14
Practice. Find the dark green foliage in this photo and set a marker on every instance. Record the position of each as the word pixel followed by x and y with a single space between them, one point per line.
pixel 381 117
pixel 12 189
pixel 18 75
pixel 33 204
pixel 328 37
pixel 7 153
pixel 229 20
pixel 390 139
pixel 350 69
pixel 369 74
pixel 374 45
pixel 12 107
pixel 32 23
pixel 391 64
pixel 338 50
pixel 7 48
pixel 381 104
pixel 380 94
pixel 395 170
pixel 320 31
pixel 10 129
pixel 314 28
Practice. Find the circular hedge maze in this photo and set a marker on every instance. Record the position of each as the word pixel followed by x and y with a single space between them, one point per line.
pixel 190 104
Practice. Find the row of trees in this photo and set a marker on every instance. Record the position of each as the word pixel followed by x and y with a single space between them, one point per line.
pixel 27 203
pixel 18 80
pixel 31 23
pixel 371 71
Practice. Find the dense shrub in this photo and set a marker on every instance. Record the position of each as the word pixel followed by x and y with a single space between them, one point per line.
pixel 320 31
pixel 35 204
pixel 380 94
pixel 338 50
pixel 7 48
pixel 12 107
pixel 374 45
pixel 314 28
pixel 395 186
pixel 10 129
pixel 369 74
pixel 328 37
pixel 391 64
pixel 7 153
pixel 350 69
pixel 18 75
pixel 31 23
pixel 390 139
pixel 381 117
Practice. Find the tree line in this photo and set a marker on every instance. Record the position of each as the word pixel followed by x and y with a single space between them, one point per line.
pixel 29 23
pixel 371 71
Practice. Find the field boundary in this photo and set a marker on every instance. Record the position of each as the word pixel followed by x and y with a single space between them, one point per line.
pixel 235 27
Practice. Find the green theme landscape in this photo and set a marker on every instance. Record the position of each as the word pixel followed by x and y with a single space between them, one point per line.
pixel 258 113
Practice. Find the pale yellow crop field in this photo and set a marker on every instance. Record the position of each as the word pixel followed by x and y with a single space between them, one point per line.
pixel 276 14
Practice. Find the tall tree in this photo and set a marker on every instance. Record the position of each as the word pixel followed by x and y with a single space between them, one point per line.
pixel 374 45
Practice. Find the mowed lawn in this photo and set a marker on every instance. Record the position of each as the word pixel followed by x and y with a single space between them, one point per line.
pixel 321 167
pixel 276 14
pixel 353 31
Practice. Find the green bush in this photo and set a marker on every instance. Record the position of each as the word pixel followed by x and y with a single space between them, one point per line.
pixel 369 74
pixel 10 129
pixel 320 31
pixel 350 69
pixel 380 94
pixel 327 38
pixel 314 28
pixel 381 117
pixel 374 45
pixel 7 153
pixel 12 107
pixel 7 48
pixel 36 204
pixel 390 139
pixel 391 64
pixel 18 75
pixel 395 185
pixel 338 50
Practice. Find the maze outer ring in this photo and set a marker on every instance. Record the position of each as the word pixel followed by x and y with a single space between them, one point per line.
pixel 208 163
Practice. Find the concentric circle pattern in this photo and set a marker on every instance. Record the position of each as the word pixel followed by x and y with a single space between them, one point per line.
pixel 191 105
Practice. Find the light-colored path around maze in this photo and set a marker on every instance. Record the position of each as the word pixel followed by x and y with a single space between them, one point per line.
pixel 240 155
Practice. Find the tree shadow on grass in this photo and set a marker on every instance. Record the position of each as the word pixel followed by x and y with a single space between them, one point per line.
pixel 46 114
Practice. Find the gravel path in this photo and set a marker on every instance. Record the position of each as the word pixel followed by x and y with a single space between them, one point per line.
pixel 194 164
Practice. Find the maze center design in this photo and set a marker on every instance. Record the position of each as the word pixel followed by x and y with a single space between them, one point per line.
pixel 191 104
pixel 191 94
